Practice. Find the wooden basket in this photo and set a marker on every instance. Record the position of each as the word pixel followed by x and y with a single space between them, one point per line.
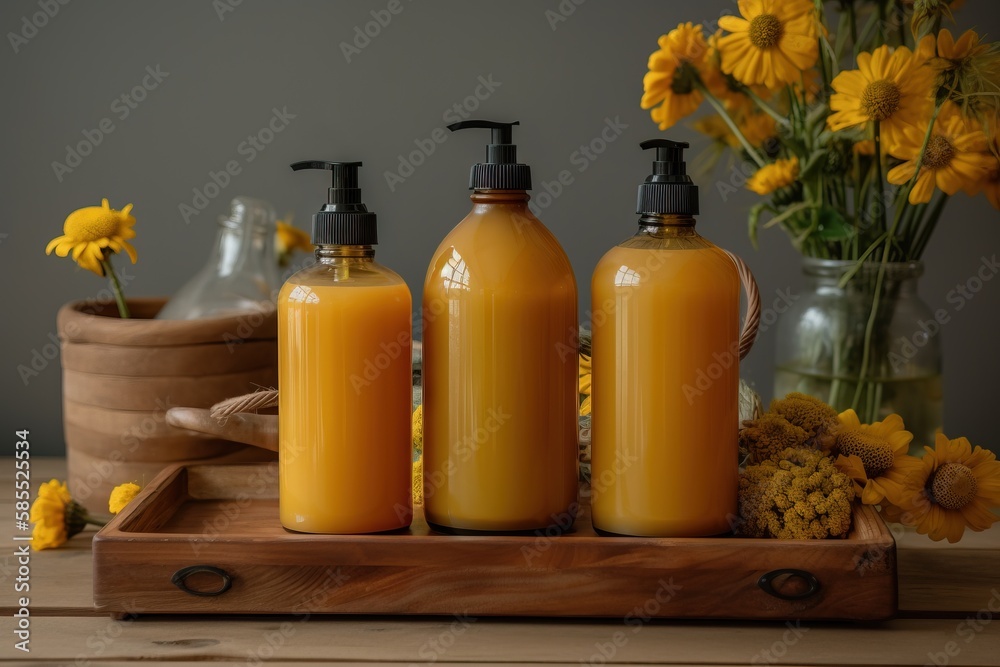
pixel 121 376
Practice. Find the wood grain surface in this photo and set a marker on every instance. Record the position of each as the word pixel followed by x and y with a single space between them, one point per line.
pixel 66 629
pixel 226 517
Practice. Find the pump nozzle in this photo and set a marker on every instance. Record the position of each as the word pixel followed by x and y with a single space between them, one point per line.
pixel 669 160
pixel 668 190
pixel 501 171
pixel 344 179
pixel 344 220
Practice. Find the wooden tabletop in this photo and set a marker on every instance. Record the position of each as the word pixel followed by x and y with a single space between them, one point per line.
pixel 949 597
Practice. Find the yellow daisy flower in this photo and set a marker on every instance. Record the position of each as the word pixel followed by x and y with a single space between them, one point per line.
pixel 774 42
pixel 757 127
pixel 724 86
pixel 874 456
pixel 670 86
pixel 956 157
pixel 953 489
pixel 968 69
pixel 57 517
pixel 771 177
pixel 893 88
pixel 94 232
pixel 121 496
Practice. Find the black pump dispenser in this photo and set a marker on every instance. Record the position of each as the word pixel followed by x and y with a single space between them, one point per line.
pixel 344 219
pixel 501 171
pixel 668 190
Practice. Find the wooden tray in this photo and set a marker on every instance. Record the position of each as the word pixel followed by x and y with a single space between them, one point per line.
pixel 206 539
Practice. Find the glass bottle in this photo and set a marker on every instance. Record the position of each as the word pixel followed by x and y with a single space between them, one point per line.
pixel 501 364
pixel 241 273
pixel 666 352
pixel 345 393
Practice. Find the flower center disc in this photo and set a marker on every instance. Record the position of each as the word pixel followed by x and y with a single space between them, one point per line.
pixel 875 453
pixel 94 226
pixel 684 78
pixel 939 152
pixel 765 31
pixel 880 99
pixel 953 486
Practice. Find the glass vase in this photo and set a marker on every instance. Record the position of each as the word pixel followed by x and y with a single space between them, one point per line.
pixel 866 344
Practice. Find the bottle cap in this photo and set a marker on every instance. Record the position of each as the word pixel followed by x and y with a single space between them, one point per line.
pixel 343 220
pixel 501 171
pixel 668 189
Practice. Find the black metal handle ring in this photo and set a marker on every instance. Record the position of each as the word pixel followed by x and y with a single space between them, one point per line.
pixel 180 576
pixel 766 582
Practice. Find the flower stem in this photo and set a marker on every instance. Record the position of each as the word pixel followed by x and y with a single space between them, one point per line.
pixel 721 110
pixel 877 292
pixel 877 166
pixel 923 236
pixel 765 107
pixel 116 287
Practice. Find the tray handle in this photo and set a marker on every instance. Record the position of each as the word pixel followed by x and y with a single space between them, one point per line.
pixel 766 582
pixel 180 580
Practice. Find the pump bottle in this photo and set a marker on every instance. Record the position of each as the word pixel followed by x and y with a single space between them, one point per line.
pixel 345 381
pixel 500 361
pixel 666 368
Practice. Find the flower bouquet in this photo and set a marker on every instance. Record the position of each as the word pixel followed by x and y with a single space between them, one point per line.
pixel 856 126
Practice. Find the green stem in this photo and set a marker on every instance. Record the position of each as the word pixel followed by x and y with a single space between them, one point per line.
pixel 873 315
pixel 854 25
pixel 721 110
pixel 788 212
pixel 901 15
pixel 96 519
pixel 911 225
pixel 877 166
pixel 765 107
pixel 116 287
pixel 930 222
pixel 882 22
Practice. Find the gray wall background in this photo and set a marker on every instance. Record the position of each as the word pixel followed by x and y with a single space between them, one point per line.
pixel 228 70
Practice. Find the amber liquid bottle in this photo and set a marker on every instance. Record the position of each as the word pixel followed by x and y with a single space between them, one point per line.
pixel 665 369
pixel 500 363
pixel 345 378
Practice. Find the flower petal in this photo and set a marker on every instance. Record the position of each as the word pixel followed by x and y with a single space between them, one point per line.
pixel 130 250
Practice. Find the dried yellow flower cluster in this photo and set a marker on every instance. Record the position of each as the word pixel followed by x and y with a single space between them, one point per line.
pixel 801 496
pixel 792 488
pixel 797 420
pixel 764 439
pixel 805 466
pixel 816 418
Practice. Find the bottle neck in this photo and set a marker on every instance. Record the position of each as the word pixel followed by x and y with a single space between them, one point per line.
pixel 500 197
pixel 664 225
pixel 239 249
pixel 332 254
